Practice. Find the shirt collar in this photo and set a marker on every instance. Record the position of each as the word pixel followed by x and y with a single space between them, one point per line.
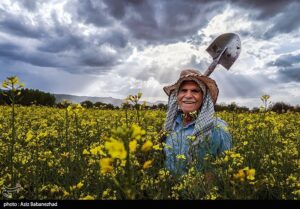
pixel 179 121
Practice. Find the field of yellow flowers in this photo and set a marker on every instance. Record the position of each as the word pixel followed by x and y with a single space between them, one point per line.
pixel 77 153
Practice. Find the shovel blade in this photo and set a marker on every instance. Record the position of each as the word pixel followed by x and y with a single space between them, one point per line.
pixel 232 45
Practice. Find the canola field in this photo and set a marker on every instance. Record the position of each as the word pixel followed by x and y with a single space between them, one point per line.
pixel 76 153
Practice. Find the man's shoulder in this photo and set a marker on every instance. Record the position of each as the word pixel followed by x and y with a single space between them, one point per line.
pixel 220 123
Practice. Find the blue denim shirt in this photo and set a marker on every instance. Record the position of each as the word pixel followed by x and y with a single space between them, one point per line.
pixel 178 143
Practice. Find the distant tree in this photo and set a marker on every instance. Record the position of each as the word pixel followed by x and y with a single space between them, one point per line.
pixel 281 107
pixel 255 110
pixel 87 104
pixel 126 106
pixel 162 106
pixel 297 108
pixel 220 107
pixel 153 107
pixel 231 107
pixel 110 106
pixel 102 105
pixel 30 96
pixel 63 104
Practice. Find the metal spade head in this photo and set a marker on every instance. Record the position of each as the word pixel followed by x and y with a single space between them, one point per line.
pixel 226 48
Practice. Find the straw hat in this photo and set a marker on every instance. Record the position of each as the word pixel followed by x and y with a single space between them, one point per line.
pixel 194 75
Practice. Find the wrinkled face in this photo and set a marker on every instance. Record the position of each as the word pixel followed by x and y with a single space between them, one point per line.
pixel 189 96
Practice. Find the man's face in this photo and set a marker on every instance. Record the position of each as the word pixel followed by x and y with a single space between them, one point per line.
pixel 189 96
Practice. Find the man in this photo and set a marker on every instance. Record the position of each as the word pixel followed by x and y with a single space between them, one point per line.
pixel 193 128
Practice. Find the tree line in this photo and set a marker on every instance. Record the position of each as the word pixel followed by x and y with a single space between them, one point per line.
pixel 28 97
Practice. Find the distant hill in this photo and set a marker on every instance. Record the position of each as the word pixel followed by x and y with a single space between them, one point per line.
pixel 107 100
pixel 79 99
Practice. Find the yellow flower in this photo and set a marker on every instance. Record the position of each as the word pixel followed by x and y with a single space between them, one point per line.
pixel 240 175
pixel 66 193
pixel 235 155
pixel 191 137
pixel 65 154
pixel 250 174
pixel 29 136
pixel 147 146
pixel 132 146
pixel 182 157
pixel 97 151
pixel 88 197
pixel 250 127
pixel 147 164
pixel 116 149
pixel 85 152
pixel 105 165
pixel 137 132
pixel 79 185
pixel 53 190
pixel 157 147
pixel 245 172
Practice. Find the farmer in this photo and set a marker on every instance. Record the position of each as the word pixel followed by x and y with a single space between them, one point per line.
pixel 193 128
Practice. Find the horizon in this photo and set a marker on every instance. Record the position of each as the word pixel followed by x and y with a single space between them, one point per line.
pixel 119 48
pixel 165 102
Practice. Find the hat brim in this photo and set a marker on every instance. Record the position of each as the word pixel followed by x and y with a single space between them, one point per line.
pixel 210 84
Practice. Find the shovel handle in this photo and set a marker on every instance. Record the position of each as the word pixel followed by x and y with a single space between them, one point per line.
pixel 213 65
pixel 211 68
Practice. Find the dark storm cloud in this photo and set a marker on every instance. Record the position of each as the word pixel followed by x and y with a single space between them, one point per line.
pixel 280 16
pixel 67 37
pixel 163 21
pixel 63 43
pixel 13 52
pixel 60 44
pixel 7 48
pixel 93 59
pixel 19 25
pixel 82 62
pixel 267 8
pixel 157 21
pixel 288 67
pixel 289 74
pixel 285 22
pixel 94 12
pixel 285 60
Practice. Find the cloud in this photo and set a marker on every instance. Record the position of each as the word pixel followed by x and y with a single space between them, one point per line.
pixel 31 5
pixel 272 18
pixel 284 22
pixel 57 43
pixel 92 12
pixel 19 25
pixel 266 8
pixel 288 67
pixel 162 21
pixel 289 74
pixel 285 60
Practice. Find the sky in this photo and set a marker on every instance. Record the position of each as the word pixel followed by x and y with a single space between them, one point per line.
pixel 115 48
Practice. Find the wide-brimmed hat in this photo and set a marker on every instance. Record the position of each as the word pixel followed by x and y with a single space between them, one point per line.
pixel 194 75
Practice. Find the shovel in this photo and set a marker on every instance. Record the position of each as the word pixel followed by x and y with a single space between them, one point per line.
pixel 224 50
